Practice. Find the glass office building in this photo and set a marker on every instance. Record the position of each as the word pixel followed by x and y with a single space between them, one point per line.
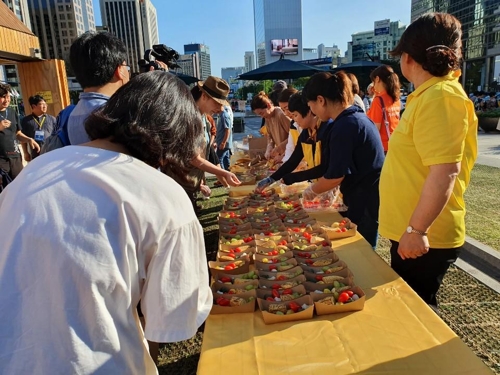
pixel 480 40
pixel 278 30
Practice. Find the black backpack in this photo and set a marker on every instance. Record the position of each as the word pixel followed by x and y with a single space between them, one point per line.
pixel 5 179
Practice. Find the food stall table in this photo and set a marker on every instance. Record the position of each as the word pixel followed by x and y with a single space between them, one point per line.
pixel 395 333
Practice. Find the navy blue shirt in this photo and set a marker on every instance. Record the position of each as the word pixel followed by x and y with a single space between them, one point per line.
pixel 355 152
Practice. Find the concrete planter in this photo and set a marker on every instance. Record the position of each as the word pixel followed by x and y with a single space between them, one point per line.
pixel 488 124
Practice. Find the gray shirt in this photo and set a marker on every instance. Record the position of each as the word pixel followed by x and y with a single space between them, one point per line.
pixel 89 101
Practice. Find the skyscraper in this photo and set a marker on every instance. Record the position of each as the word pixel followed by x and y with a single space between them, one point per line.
pixel 203 52
pixel 57 24
pixel 249 61
pixel 480 38
pixel 135 23
pixel 278 30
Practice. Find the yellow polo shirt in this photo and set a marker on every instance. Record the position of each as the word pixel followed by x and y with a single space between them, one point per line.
pixel 438 126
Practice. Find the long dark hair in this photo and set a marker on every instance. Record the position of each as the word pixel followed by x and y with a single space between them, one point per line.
pixel 389 79
pixel 434 41
pixel 335 87
pixel 155 117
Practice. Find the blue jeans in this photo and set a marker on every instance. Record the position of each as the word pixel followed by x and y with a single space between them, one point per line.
pixel 224 157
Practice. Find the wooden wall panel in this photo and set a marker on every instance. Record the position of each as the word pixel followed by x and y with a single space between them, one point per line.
pixel 47 76
pixel 17 43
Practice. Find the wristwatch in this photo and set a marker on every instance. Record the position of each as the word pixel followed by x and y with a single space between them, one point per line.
pixel 410 230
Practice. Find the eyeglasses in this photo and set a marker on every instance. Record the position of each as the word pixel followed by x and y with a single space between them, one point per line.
pixel 127 66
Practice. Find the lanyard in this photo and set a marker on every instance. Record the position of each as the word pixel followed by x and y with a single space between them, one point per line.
pixel 6 114
pixel 38 123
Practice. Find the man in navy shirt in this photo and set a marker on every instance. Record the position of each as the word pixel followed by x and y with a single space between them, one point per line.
pixel 39 125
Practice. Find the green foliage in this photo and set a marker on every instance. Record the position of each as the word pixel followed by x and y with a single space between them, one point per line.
pixel 254 88
pixel 492 113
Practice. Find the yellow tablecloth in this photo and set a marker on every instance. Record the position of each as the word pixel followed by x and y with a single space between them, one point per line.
pixel 396 333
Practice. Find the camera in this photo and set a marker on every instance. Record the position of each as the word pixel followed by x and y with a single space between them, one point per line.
pixel 159 52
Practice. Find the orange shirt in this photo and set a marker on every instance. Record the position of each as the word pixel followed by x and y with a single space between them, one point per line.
pixel 392 109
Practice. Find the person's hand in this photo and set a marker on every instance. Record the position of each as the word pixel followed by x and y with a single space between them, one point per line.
pixel 205 190
pixel 27 157
pixel 34 146
pixel 4 124
pixel 222 146
pixel 309 193
pixel 275 153
pixel 228 179
pixel 161 64
pixel 263 184
pixel 278 158
pixel 412 246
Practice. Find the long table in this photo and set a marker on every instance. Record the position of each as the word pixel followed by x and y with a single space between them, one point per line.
pixel 396 333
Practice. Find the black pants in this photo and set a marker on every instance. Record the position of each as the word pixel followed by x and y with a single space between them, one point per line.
pixel 12 166
pixel 424 274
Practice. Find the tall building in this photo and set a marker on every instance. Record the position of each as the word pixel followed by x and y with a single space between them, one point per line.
pixel 190 65
pixel 480 38
pixel 309 53
pixel 204 58
pixel 332 52
pixel 230 74
pixel 249 61
pixel 57 24
pixel 378 42
pixel 20 9
pixel 278 30
pixel 134 22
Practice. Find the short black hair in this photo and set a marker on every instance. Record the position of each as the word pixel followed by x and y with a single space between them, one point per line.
pixel 94 58
pixel 35 99
pixel 155 117
pixel 4 89
pixel 297 103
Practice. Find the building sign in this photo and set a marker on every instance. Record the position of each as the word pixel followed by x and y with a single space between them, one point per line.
pixel 322 61
pixel 46 95
pixel 382 27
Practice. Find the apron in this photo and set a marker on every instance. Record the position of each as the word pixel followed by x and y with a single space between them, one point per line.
pixel 294 133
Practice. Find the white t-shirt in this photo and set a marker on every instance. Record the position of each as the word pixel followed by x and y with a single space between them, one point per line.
pixel 85 234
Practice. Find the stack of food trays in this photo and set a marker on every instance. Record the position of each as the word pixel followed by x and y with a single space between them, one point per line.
pixel 295 270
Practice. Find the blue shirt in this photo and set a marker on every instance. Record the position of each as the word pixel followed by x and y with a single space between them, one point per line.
pixel 224 122
pixel 355 153
pixel 89 101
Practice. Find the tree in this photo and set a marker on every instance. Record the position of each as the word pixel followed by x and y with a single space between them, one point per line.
pixel 254 88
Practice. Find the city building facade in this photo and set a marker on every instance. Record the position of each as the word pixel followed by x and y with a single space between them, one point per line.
pixel 134 22
pixel 249 61
pixel 376 43
pixel 480 38
pixel 189 64
pixel 203 51
pixel 278 30
pixel 332 52
pixel 309 53
pixel 230 74
pixel 57 24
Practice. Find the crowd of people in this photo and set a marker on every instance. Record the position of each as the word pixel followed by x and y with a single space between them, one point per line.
pixel 102 251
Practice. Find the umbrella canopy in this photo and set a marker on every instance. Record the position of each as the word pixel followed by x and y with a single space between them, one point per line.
pixel 187 79
pixel 357 65
pixel 281 69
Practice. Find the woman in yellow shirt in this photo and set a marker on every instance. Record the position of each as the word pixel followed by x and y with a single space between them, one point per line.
pixel 433 150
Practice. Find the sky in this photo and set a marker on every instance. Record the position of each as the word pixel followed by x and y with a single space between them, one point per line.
pixel 226 26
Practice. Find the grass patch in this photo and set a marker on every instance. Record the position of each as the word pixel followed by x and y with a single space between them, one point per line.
pixel 482 200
